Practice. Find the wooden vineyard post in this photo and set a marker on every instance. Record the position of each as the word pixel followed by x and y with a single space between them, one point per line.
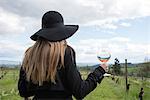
pixel 126 74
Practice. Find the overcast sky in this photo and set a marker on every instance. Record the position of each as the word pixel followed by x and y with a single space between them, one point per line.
pixel 121 26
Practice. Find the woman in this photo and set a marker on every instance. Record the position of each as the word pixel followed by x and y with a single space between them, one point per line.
pixel 49 68
pixel 141 94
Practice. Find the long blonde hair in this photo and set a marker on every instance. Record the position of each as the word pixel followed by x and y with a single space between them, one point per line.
pixel 42 60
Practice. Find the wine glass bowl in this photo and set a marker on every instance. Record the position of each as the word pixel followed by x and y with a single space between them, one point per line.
pixel 103 56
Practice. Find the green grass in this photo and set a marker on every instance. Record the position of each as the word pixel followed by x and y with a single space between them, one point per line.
pixel 116 91
pixel 8 86
pixel 107 90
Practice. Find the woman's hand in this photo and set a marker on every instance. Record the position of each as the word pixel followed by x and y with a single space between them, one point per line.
pixel 104 66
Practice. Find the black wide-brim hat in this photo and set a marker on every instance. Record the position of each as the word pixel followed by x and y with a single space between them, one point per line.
pixel 53 28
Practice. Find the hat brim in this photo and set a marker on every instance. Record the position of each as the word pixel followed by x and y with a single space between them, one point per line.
pixel 56 33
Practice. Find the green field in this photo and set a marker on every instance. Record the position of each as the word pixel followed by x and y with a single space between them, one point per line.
pixel 107 90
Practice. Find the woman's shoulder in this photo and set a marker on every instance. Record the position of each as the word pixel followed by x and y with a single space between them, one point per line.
pixel 69 50
pixel 70 55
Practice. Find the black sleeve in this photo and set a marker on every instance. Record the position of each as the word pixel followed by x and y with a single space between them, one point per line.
pixel 80 88
pixel 26 89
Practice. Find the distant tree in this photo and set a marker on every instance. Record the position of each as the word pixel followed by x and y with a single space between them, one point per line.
pixel 144 70
pixel 117 67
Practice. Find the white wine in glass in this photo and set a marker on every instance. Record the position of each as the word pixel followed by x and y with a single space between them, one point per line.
pixel 103 56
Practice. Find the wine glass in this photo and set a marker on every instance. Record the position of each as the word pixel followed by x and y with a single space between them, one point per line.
pixel 103 56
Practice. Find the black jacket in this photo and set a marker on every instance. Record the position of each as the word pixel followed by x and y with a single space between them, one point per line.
pixel 68 82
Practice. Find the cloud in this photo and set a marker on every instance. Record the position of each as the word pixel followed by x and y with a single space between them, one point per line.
pixel 125 24
pixel 10 23
pixel 103 13
pixel 11 50
pixel 24 16
pixel 120 39
pixel 13 24
pixel 119 47
pixel 23 8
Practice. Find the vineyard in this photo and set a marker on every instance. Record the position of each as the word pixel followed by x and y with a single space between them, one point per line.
pixel 109 89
